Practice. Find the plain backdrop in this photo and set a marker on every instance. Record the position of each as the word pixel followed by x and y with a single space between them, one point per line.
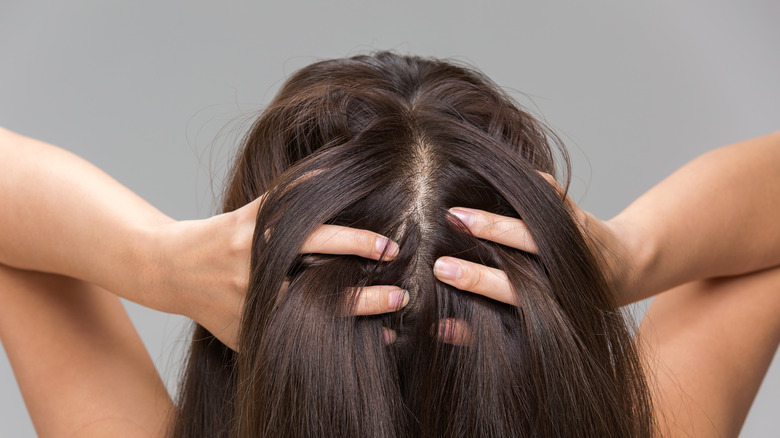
pixel 157 94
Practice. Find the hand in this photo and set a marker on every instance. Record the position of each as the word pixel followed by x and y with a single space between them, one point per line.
pixel 604 238
pixel 204 268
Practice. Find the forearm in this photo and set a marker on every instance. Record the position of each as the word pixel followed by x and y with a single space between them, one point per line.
pixel 707 346
pixel 78 360
pixel 716 216
pixel 62 215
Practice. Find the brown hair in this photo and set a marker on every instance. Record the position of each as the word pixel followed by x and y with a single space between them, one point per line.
pixel 388 143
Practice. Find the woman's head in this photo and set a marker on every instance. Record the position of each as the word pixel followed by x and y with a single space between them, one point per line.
pixel 389 143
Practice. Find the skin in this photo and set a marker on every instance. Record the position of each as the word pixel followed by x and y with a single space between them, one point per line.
pixel 706 343
pixel 74 240
pixel 708 236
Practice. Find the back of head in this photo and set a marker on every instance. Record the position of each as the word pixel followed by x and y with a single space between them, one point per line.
pixel 389 143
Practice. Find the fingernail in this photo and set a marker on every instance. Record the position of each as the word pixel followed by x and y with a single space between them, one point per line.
pixel 398 299
pixel 446 269
pixel 384 242
pixel 466 217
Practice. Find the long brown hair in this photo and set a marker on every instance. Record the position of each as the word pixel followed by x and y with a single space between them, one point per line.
pixel 388 143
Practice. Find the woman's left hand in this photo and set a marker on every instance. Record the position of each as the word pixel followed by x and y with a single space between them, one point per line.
pixel 202 268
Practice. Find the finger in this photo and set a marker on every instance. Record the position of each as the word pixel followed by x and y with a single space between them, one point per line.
pixel 334 239
pixel 563 193
pixel 552 181
pixel 476 278
pixel 580 215
pixel 389 335
pixel 375 300
pixel 500 229
pixel 454 331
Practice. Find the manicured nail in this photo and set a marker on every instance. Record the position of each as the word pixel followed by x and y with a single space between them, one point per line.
pixel 384 242
pixel 466 217
pixel 446 269
pixel 398 299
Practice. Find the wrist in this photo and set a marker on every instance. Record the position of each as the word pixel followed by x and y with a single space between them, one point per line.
pixel 151 268
pixel 184 267
pixel 641 252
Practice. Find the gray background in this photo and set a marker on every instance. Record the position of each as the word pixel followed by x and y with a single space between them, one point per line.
pixel 156 94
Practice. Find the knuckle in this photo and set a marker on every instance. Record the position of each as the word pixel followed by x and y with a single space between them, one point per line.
pixel 360 242
pixel 473 279
pixel 492 225
pixel 369 302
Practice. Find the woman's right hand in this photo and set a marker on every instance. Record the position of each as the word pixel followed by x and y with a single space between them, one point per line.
pixel 202 268
pixel 607 240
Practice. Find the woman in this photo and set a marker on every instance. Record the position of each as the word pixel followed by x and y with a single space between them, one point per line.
pixel 434 135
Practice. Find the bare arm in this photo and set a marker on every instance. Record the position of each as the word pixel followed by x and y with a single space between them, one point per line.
pixel 79 363
pixel 706 344
pixel 716 216
pixel 706 347
pixel 62 215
